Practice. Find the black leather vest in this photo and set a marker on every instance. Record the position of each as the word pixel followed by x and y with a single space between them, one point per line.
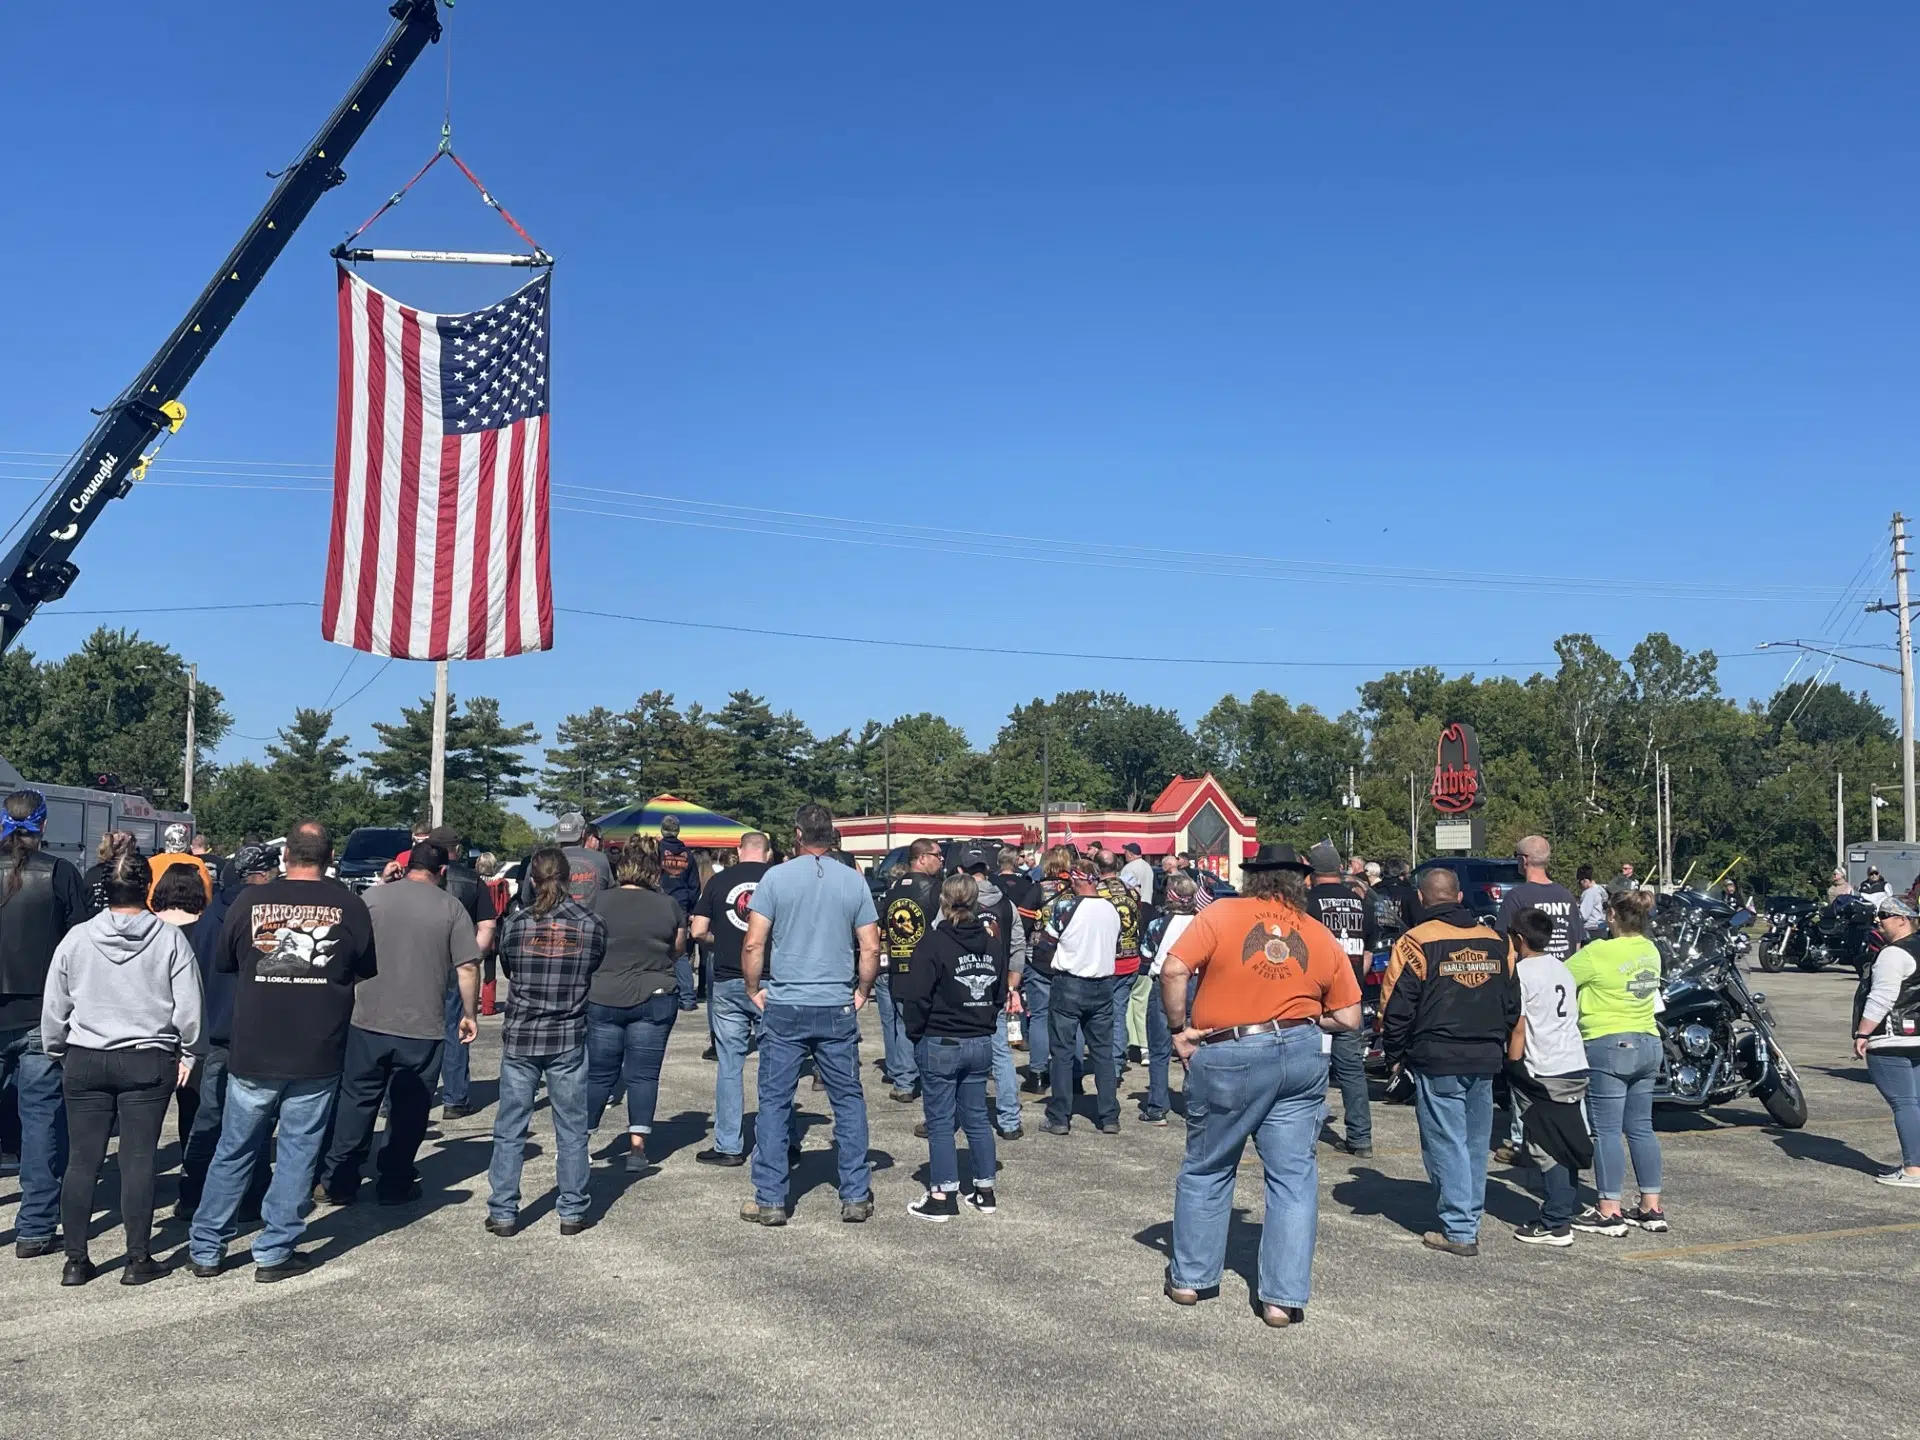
pixel 912 904
pixel 32 924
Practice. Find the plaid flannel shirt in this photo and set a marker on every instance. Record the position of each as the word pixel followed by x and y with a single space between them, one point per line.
pixel 550 959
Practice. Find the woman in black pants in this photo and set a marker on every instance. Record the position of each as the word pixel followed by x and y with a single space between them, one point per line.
pixel 122 1014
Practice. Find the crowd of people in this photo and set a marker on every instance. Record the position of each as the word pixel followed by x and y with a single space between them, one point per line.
pixel 284 1012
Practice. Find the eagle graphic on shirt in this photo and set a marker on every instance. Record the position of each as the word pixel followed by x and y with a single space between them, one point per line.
pixel 296 940
pixel 1269 950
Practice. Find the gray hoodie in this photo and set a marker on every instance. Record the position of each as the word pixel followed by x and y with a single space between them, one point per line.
pixel 122 982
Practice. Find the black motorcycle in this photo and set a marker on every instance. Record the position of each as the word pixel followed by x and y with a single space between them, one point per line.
pixel 1717 1034
pixel 1789 919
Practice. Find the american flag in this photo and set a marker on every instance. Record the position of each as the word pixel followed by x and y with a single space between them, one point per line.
pixel 1202 892
pixel 440 545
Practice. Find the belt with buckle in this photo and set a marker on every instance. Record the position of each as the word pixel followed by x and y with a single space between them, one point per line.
pixel 1242 1032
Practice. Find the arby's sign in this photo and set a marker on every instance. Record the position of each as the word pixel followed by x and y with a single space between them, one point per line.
pixel 1458 782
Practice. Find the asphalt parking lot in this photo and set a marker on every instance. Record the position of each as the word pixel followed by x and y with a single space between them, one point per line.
pixel 1780 1304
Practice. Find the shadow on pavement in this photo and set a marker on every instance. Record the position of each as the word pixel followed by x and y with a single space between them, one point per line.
pixel 1825 1150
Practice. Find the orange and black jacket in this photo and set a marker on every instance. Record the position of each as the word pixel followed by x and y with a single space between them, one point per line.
pixel 1450 997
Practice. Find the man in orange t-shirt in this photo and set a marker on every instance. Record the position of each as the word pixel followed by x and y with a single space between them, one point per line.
pixel 175 853
pixel 1272 978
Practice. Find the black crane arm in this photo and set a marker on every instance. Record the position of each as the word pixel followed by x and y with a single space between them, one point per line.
pixel 37 569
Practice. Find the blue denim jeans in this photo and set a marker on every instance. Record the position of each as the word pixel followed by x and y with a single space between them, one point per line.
pixel 303 1109
pixel 1271 1089
pixel 1456 1122
pixel 688 993
pixel 1896 1075
pixel 43 1130
pixel 628 1041
pixel 1562 1199
pixel 1006 1083
pixel 456 1067
pixel 1620 1098
pixel 831 1035
pixel 1348 1070
pixel 896 1050
pixel 1159 1056
pixel 953 1074
pixel 732 1018
pixel 566 1077
pixel 399 1070
pixel 1080 1006
pixel 1036 990
pixel 204 1138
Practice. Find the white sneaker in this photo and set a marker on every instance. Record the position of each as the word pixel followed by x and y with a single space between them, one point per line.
pixel 1903 1179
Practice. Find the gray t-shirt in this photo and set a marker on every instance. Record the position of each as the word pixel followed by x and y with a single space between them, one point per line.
pixel 815 904
pixel 420 933
pixel 641 925
pixel 588 873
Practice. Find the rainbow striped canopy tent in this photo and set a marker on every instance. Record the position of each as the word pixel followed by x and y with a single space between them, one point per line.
pixel 700 829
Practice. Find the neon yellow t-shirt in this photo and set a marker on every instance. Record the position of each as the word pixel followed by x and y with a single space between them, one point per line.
pixel 1619 980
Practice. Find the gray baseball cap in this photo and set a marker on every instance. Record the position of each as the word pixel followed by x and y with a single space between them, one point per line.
pixel 570 827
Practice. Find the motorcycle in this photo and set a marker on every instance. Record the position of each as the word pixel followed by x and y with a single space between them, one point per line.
pixel 1717 1034
pixel 1789 918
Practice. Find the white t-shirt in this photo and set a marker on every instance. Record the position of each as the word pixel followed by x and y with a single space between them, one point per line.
pixel 1137 875
pixel 1175 924
pixel 1091 940
pixel 1548 1001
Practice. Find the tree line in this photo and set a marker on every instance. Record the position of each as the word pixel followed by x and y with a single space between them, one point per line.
pixel 1570 754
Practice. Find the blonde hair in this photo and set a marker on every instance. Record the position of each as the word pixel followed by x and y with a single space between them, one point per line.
pixel 1627 912
pixel 1058 862
pixel 639 863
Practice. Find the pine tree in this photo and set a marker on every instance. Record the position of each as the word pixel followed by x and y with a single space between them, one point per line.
pixel 492 750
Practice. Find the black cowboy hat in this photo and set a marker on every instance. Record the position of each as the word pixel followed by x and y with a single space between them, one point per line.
pixel 1277 857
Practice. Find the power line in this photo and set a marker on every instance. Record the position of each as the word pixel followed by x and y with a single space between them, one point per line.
pixel 608 503
pixel 1050 654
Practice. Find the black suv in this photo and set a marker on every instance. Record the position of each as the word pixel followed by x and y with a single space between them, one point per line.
pixel 1483 883
pixel 367 852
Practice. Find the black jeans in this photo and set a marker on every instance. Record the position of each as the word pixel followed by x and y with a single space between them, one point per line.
pixel 402 1070
pixel 135 1086
pixel 1085 1006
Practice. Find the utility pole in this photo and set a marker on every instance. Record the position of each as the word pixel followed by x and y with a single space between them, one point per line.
pixel 1413 818
pixel 886 770
pixel 1874 802
pixel 193 695
pixel 1906 668
pixel 437 776
pixel 1839 821
pixel 1046 783
pixel 1659 822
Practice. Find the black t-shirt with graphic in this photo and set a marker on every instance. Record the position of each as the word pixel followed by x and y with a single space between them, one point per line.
pixel 1569 933
pixel 299 947
pixel 724 903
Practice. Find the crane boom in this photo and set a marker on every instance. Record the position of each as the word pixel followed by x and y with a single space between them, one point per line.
pixel 37 569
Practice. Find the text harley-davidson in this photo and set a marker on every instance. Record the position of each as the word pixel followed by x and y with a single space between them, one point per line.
pixel 1717 1034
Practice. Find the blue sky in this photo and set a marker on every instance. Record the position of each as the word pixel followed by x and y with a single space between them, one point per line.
pixel 1625 296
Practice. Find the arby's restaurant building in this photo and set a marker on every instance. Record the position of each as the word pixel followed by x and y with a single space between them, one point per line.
pixel 1195 815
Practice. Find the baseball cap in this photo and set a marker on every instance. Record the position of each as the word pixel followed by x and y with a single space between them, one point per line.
pixel 1891 904
pixel 1131 847
pixel 974 857
pixel 446 837
pixel 570 827
pixel 1324 858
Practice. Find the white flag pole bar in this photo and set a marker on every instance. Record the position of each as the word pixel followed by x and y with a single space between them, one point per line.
pixel 447 257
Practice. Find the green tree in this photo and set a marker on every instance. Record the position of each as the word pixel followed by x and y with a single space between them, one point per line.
pixel 587 764
pixel 241 802
pixel 117 705
pixel 307 767
pixel 492 750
